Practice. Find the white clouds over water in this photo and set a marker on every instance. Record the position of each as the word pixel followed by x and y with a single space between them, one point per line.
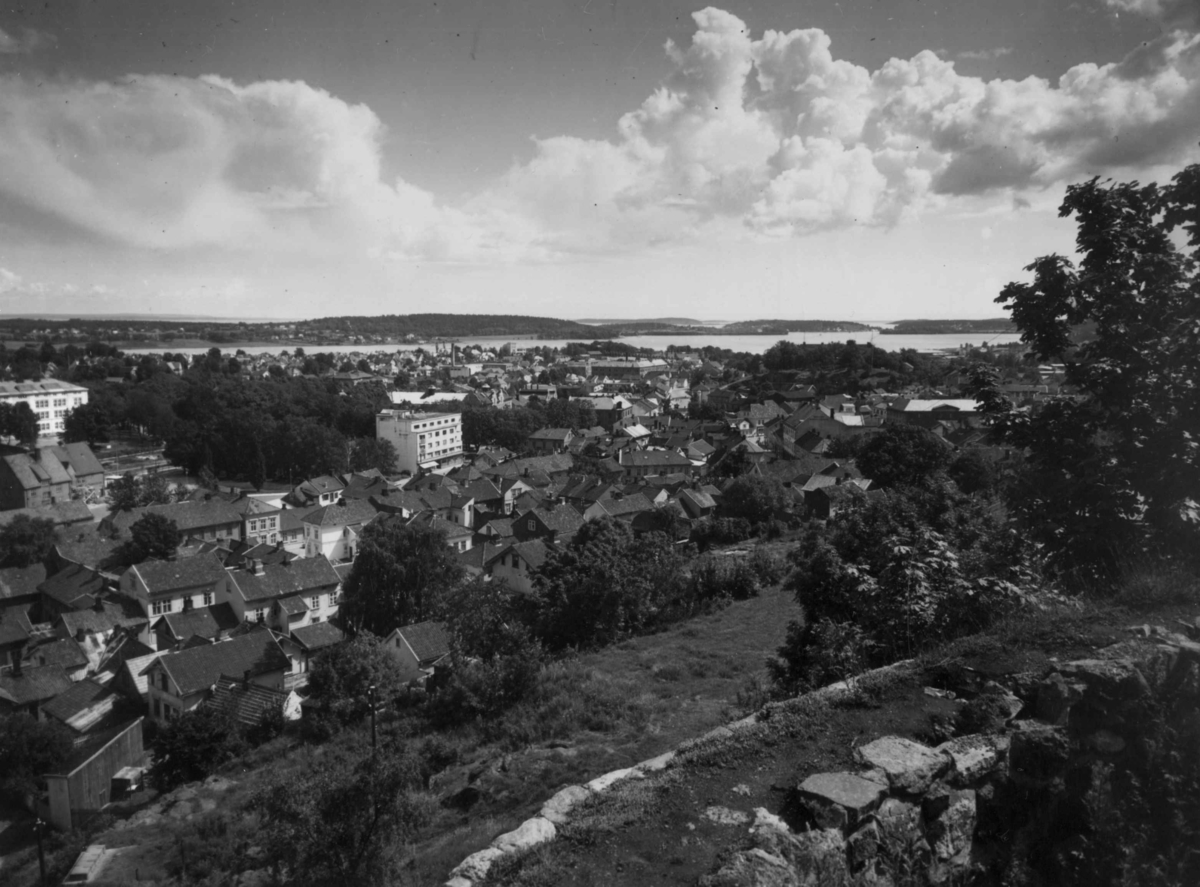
pixel 768 136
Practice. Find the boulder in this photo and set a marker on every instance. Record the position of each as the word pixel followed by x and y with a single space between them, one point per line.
pixel 528 834
pixel 862 846
pixel 1116 680
pixel 899 823
pixel 559 807
pixel 951 832
pixel 475 867
pixel 909 766
pixel 974 757
pixel 752 868
pixel 836 800
pixel 1055 696
pixel 1037 752
pixel 601 783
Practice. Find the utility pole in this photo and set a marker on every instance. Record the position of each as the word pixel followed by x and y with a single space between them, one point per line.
pixel 38 826
pixel 371 699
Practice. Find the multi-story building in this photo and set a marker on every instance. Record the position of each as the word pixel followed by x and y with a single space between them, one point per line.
pixel 50 400
pixel 422 440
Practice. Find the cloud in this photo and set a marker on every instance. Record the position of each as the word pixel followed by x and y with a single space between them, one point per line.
pixel 984 55
pixel 746 137
pixel 1172 13
pixel 9 281
pixel 29 41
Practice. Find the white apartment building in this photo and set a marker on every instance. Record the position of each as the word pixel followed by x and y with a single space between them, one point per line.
pixel 422 440
pixel 50 400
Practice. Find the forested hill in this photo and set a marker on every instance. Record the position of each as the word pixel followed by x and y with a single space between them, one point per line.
pixel 424 326
pixel 939 327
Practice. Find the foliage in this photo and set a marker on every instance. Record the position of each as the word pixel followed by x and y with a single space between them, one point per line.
pixel 89 423
pixel 974 472
pixel 605 584
pixel 19 422
pixel 30 748
pixel 152 536
pixel 192 745
pixel 819 653
pixel 128 492
pixel 26 540
pixel 371 452
pixel 707 531
pixel 724 578
pixel 400 575
pixel 1115 468
pixel 335 823
pixel 903 454
pixel 340 678
pixel 754 498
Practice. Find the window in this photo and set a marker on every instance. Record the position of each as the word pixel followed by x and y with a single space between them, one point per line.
pixel 253 526
pixel 160 607
pixel 314 602
pixel 208 598
pixel 259 614
pixel 162 680
pixel 532 524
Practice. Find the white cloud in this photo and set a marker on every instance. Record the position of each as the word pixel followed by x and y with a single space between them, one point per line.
pixel 9 281
pixel 28 41
pixel 766 137
pixel 985 55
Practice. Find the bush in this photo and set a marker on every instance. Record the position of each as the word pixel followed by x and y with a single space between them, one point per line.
pixel 708 531
pixel 193 745
pixel 769 568
pixel 718 579
pixel 819 654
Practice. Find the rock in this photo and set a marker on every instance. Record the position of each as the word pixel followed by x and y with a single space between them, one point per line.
pixel 463 799
pixel 716 733
pixel 218 783
pixel 1055 696
pixel 899 823
pixel 752 868
pixel 1109 679
pixel 836 800
pixel 653 765
pixel 951 832
pixel 725 816
pixel 819 858
pixel 862 846
pixel 741 789
pixel 910 766
pixel 475 867
pixel 1037 752
pixel 459 882
pixel 973 757
pixel 601 783
pixel 559 807
pixel 1106 742
pixel 528 834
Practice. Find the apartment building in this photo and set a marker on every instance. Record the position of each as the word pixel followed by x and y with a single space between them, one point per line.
pixel 422 440
pixel 50 400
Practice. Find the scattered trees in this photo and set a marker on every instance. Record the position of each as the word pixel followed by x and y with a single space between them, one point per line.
pixel 26 540
pixel 193 745
pixel 128 492
pixel 339 679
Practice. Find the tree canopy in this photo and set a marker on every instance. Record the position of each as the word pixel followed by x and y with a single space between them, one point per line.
pixel 152 536
pixel 903 454
pixel 26 540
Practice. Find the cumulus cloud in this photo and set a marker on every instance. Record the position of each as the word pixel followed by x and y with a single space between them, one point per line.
pixel 748 136
pixel 1172 13
pixel 9 281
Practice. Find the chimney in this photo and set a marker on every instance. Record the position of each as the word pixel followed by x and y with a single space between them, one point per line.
pixel 246 679
pixel 256 566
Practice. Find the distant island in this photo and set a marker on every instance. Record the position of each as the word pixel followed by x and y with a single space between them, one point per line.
pixel 944 327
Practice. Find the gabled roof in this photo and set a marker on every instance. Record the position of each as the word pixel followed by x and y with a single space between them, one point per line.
pixel 115 611
pixel 554 434
pixel 626 505
pixel 75 700
pixel 61 513
pixel 354 511
pixel 74 586
pixel 188 516
pixel 561 519
pixel 32 472
pixel 60 651
pixel 80 457
pixel 15 627
pixel 698 498
pixel 428 640
pixel 206 622
pixel 654 458
pixel 437 522
pixel 318 636
pixel 292 519
pixel 532 553
pixel 199 668
pixel 188 572
pixel 37 684
pixel 248 703
pixel 304 575
pixel 19 582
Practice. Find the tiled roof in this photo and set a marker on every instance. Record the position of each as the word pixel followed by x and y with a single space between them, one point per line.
pixel 73 586
pixel 437 522
pixel 15 627
pixel 303 575
pixel 75 699
pixel 318 635
pixel 35 684
pixel 355 511
pixel 626 505
pixel 532 553
pixel 62 652
pixel 72 512
pixel 428 640
pixel 293 518
pixel 88 545
pixel 653 458
pixel 293 606
pixel 80 457
pixel 188 572
pixel 249 703
pixel 199 668
pixel 32 473
pixel 558 434
pixel 188 516
pixel 18 582
pixel 115 611
pixel 207 622
pixel 562 519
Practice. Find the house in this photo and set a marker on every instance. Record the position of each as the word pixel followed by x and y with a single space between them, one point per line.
pixel 286 596
pixel 963 413
pixel 332 530
pixel 86 708
pixel 697 504
pixel 32 480
pixel 418 648
pixel 291 529
pixel 458 537
pixel 323 490
pixel 19 587
pixel 422 440
pixel 62 514
pixel 15 631
pixel 163 587
pixel 50 400
pixel 260 520
pixel 213 623
pixel 86 784
pixel 75 587
pixel 60 651
pixel 550 440
pixel 644 463
pixel 551 523
pixel 28 688
pixel 207 519
pixel 516 562
pixel 82 465
pixel 303 645
pixel 178 682
pixel 250 703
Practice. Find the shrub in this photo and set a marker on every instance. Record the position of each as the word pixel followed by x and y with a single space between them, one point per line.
pixel 193 745
pixel 819 654
pixel 708 532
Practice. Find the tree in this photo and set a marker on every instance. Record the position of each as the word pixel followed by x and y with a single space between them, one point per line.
pixel 339 679
pixel 30 748
pixel 1116 468
pixel 903 454
pixel 19 422
pixel 400 574
pixel 152 536
pixel 336 822
pixel 193 745
pixel 755 498
pixel 88 423
pixel 124 493
pixel 26 540
pixel 373 452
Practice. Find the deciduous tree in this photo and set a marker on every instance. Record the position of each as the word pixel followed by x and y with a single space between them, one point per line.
pixel 26 540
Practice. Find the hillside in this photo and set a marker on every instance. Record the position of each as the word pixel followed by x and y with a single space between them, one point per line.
pixel 941 327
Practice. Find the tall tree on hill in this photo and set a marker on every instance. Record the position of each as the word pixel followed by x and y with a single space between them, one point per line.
pixel 400 575
pixel 1116 469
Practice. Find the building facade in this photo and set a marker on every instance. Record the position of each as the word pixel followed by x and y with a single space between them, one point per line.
pixel 422 440
pixel 50 400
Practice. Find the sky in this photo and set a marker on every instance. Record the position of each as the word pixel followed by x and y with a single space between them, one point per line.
pixel 833 159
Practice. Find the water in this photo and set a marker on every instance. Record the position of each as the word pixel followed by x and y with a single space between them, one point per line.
pixel 749 343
